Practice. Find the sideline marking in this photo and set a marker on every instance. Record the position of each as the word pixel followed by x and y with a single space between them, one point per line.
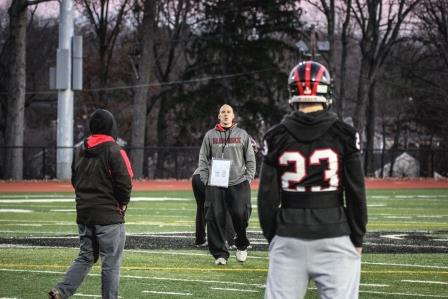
pixel 142 277
pixel 402 294
pixel 16 211
pixel 424 281
pixel 53 200
pixel 235 290
pixel 395 237
pixel 405 265
pixel 168 293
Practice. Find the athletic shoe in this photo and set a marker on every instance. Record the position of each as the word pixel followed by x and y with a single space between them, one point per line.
pixel 220 261
pixel 54 294
pixel 241 255
pixel 205 244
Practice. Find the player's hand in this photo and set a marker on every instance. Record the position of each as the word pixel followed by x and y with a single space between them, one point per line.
pixel 359 250
pixel 122 209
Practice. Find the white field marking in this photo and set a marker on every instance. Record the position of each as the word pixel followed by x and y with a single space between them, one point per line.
pixel 376 205
pixel 380 196
pixel 425 281
pixel 89 295
pixel 402 294
pixel 406 265
pixel 394 236
pixel 16 211
pixel 142 277
pixel 376 285
pixel 28 224
pixel 184 253
pixel 398 217
pixel 405 196
pixel 431 216
pixel 236 290
pixel 37 196
pixel 62 210
pixel 52 200
pixel 168 293
pixel 411 246
pixel 34 247
pixel 440 240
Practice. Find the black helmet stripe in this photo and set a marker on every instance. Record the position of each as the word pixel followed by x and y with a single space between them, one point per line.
pixel 298 82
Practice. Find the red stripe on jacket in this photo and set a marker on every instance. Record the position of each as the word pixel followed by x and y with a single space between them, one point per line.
pixel 97 139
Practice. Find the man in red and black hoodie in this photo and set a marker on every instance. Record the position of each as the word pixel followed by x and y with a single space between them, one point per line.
pixel 101 176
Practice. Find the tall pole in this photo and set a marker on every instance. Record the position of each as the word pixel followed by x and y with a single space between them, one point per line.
pixel 65 92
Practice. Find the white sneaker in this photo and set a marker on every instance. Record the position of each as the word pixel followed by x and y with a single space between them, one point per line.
pixel 241 255
pixel 220 261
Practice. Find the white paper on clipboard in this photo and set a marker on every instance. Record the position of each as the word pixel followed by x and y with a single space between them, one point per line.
pixel 220 172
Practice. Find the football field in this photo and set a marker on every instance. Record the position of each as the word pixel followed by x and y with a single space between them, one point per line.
pixel 406 249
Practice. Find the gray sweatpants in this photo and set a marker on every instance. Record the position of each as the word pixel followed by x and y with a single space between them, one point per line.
pixel 333 264
pixel 106 242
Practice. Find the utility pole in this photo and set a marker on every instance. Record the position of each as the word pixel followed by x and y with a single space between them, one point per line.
pixel 64 142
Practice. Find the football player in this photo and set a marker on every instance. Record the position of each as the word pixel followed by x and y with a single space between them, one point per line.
pixel 311 200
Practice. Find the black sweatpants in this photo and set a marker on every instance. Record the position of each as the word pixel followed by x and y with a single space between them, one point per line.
pixel 199 195
pixel 219 201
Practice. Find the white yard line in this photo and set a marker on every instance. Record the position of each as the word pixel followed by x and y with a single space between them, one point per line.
pixel 221 282
pixel 402 294
pixel 406 265
pixel 425 281
pixel 411 246
pixel 16 211
pixel 167 293
pixel 236 290
pixel 64 199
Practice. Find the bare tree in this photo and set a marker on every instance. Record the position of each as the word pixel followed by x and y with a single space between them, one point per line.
pixel 15 51
pixel 107 18
pixel 144 69
pixel 380 22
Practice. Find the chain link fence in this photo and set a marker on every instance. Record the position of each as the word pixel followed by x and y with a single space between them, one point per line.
pixel 39 162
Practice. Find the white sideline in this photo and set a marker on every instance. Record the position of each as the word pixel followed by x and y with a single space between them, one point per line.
pixel 402 294
pixel 54 200
pixel 235 290
pixel 425 281
pixel 168 293
pixel 209 281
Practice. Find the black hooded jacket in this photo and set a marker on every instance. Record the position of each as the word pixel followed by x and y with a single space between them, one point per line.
pixel 101 174
pixel 311 182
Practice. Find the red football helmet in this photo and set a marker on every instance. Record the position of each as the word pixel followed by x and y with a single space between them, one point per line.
pixel 310 82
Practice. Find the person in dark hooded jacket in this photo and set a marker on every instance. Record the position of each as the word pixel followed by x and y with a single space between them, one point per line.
pixel 101 176
pixel 311 199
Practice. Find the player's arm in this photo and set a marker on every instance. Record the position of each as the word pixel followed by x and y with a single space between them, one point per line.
pixel 121 173
pixel 249 156
pixel 268 200
pixel 204 159
pixel 354 187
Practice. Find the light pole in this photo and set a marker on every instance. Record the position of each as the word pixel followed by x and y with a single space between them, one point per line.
pixel 66 78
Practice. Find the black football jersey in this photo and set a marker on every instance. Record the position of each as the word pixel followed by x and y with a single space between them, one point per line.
pixel 312 178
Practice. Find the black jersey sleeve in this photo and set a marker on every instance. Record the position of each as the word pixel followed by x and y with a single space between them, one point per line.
pixel 269 190
pixel 354 186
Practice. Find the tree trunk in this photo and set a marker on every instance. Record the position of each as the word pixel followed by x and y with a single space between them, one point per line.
pixel 370 128
pixel 161 137
pixel 141 93
pixel 343 73
pixel 16 87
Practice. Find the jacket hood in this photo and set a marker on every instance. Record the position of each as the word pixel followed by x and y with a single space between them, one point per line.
pixel 307 127
pixel 103 122
pixel 93 143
